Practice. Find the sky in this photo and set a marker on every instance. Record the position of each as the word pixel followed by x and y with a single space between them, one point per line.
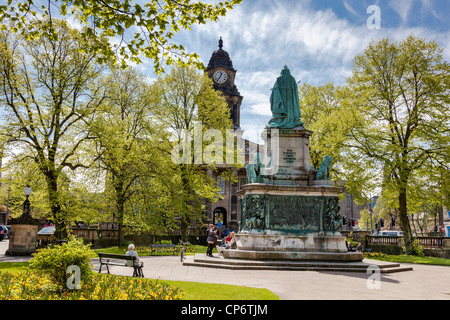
pixel 316 39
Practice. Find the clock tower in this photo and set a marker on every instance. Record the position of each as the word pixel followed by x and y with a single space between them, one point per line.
pixel 220 70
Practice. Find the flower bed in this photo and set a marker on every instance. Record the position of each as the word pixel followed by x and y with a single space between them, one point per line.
pixel 32 286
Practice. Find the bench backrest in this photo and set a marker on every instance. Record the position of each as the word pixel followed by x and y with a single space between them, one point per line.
pixel 116 256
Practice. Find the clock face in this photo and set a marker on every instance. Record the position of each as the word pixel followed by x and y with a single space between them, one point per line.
pixel 220 76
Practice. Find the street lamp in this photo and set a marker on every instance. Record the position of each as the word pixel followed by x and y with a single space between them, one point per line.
pixel 26 203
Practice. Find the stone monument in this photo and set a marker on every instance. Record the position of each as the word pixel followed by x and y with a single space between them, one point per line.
pixel 289 211
pixel 23 236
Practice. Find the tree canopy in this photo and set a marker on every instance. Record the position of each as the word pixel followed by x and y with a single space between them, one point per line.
pixel 134 29
pixel 390 123
pixel 49 90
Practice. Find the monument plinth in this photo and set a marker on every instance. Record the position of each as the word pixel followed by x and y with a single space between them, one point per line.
pixel 24 229
pixel 289 210
pixel 287 156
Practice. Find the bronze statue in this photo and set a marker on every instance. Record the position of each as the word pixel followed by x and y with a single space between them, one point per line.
pixel 285 103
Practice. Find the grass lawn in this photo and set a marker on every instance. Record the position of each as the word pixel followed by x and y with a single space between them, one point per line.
pixel 13 267
pixel 410 259
pixel 208 291
pixel 144 251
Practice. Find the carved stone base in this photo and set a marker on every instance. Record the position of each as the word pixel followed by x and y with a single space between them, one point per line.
pixel 264 242
pixel 305 210
pixel 22 241
pixel 293 256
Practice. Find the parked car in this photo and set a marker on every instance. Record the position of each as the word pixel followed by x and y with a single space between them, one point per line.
pixel 4 231
pixel 391 233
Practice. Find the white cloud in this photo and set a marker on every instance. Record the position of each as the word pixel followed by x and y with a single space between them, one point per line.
pixel 317 45
pixel 350 8
pixel 402 8
pixel 428 6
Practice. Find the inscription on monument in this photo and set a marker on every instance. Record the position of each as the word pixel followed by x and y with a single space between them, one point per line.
pixel 289 157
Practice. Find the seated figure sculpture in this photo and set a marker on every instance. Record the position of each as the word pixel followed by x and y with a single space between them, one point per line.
pixel 255 171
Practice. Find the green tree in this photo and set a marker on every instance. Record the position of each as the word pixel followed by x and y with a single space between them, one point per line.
pixel 143 28
pixel 320 105
pixel 49 91
pixel 401 90
pixel 128 147
pixel 198 117
pixel 326 114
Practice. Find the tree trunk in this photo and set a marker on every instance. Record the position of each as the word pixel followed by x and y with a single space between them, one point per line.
pixel 55 207
pixel 404 221
pixel 187 190
pixel 120 213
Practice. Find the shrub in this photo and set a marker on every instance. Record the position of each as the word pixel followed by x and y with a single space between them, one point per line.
pixel 164 242
pixel 54 261
pixel 416 249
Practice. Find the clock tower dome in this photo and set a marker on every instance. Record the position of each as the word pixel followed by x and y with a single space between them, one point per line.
pixel 220 70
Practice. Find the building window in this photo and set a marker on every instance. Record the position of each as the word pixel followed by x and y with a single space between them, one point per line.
pixel 221 184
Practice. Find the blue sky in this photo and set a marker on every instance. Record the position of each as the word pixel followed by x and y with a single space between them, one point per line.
pixel 317 40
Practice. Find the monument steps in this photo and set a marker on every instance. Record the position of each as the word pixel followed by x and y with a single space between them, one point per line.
pixel 200 260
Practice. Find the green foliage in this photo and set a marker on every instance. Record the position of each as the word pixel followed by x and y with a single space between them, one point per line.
pixel 144 30
pixel 164 242
pixel 124 147
pixel 353 243
pixel 416 249
pixel 54 261
pixel 49 91
pixel 388 125
pixel 188 107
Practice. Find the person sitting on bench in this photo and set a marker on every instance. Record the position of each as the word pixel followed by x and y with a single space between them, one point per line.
pixel 137 263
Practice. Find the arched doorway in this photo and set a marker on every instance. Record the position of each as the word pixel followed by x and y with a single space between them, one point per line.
pixel 219 217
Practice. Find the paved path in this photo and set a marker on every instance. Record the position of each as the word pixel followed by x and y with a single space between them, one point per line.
pixel 424 282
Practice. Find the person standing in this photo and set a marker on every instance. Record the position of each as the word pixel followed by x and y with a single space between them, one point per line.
pixel 211 239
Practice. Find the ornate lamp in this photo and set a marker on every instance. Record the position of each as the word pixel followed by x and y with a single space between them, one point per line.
pixel 26 203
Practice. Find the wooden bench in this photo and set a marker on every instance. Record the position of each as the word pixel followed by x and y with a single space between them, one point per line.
pixel 154 247
pixel 109 259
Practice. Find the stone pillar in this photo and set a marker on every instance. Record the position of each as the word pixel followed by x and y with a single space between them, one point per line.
pixel 23 236
pixel 286 157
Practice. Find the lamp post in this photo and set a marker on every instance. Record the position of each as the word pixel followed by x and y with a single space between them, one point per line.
pixel 26 203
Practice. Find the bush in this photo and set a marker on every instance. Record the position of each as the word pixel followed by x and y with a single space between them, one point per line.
pixel 416 249
pixel 353 242
pixel 164 242
pixel 55 260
